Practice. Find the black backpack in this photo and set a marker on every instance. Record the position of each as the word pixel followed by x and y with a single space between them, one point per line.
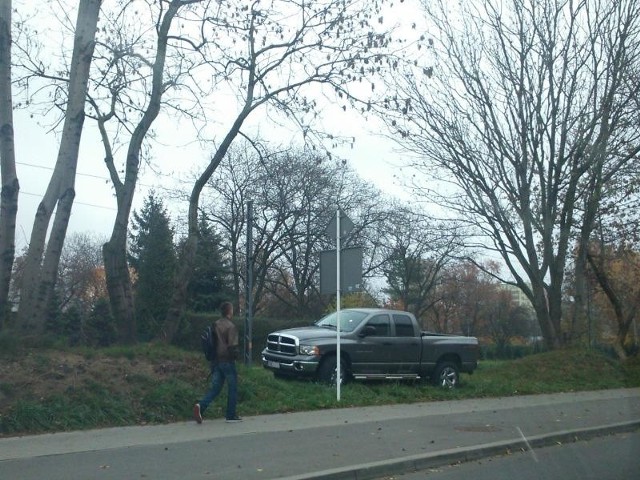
pixel 208 341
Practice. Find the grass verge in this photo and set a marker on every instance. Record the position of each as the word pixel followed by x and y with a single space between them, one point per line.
pixel 44 390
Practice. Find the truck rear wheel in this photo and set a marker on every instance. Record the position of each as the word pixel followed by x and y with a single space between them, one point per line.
pixel 446 375
pixel 328 371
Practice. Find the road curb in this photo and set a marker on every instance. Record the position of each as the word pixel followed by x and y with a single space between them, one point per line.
pixel 414 463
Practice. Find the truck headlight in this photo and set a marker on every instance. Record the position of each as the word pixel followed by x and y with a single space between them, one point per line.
pixel 309 350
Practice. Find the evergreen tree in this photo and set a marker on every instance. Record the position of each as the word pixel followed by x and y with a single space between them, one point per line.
pixel 101 326
pixel 152 255
pixel 211 282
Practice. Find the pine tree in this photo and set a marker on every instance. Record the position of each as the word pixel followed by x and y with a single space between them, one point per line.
pixel 211 283
pixel 152 255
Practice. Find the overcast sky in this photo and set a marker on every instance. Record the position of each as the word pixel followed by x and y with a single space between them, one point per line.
pixel 175 157
pixel 372 156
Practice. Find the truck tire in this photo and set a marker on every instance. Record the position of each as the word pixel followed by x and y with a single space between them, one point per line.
pixel 328 371
pixel 446 374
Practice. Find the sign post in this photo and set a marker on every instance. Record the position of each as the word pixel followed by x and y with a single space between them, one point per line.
pixel 338 366
pixel 337 230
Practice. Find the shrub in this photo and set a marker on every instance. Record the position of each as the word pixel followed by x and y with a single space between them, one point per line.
pixel 101 326
pixel 507 352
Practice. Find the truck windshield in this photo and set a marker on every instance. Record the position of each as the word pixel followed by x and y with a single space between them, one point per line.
pixel 349 320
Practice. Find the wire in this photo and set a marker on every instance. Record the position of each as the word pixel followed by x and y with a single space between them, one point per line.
pixel 50 169
pixel 75 202
pixel 105 179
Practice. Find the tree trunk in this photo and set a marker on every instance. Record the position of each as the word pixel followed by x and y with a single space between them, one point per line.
pixel 114 254
pixel 49 269
pixel 548 312
pixel 179 299
pixel 10 184
pixel 580 305
pixel 618 346
pixel 39 276
pixel 624 316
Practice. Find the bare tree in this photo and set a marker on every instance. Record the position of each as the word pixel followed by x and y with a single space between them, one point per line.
pixel 225 206
pixel 10 184
pixel 294 195
pixel 272 55
pixel 311 189
pixel 128 88
pixel 41 265
pixel 417 250
pixel 460 296
pixel 615 138
pixel 80 283
pixel 504 319
pixel 524 114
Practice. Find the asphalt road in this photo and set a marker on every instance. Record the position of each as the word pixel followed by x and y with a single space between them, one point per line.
pixel 612 457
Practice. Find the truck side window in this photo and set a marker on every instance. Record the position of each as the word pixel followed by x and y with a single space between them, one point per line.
pixel 404 326
pixel 381 324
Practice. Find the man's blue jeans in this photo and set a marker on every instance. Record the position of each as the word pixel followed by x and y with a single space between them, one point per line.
pixel 219 373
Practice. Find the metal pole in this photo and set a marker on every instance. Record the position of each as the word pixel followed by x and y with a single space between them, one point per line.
pixel 338 304
pixel 248 320
pixel 589 315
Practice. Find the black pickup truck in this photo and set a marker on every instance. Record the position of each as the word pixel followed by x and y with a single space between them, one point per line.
pixel 374 344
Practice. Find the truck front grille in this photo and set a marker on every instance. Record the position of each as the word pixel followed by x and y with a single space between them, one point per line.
pixel 282 344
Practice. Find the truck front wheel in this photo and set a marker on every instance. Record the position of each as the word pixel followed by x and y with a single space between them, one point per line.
pixel 328 371
pixel 446 375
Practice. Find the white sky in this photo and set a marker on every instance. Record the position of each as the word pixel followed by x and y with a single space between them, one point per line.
pixel 373 157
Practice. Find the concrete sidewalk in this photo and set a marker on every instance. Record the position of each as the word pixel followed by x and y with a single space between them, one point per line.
pixel 349 443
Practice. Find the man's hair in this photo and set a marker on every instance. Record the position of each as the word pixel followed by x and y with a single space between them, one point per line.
pixel 225 308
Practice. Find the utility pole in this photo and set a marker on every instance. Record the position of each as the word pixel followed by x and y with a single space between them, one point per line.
pixel 248 313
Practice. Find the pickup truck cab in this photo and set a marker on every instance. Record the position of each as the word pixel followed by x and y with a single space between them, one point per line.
pixel 375 343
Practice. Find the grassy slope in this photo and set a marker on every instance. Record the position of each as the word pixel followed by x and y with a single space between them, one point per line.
pixel 57 390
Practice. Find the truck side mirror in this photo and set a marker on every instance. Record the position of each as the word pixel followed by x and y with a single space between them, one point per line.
pixel 367 331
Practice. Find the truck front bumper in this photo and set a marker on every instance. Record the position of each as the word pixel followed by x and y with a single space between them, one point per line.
pixel 303 366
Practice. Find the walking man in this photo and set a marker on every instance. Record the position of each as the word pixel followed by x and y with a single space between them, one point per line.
pixel 223 366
